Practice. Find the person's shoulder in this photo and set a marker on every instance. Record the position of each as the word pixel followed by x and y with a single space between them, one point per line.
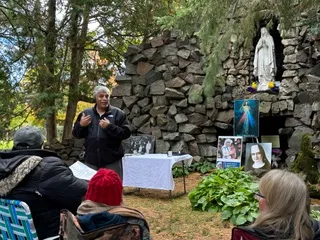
pixel 117 110
pixel 54 159
pixel 113 108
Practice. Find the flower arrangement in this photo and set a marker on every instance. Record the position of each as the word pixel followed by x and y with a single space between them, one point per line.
pixel 275 157
pixel 252 88
pixel 273 87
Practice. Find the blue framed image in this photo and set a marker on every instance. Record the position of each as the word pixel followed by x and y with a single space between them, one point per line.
pixel 246 118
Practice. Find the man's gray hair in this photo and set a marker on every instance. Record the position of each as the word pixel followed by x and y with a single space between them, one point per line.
pixel 98 89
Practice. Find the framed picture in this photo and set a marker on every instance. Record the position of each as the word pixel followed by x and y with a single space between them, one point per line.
pixel 246 118
pixel 229 152
pixel 258 156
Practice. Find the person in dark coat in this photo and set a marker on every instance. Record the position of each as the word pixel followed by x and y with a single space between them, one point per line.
pixel 104 127
pixel 40 179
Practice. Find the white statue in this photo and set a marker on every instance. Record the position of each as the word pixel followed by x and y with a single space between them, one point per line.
pixel 148 147
pixel 264 60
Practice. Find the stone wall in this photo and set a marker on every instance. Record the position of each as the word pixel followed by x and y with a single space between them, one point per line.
pixel 162 92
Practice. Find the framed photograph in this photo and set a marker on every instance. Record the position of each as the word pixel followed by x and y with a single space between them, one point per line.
pixel 258 156
pixel 246 118
pixel 229 152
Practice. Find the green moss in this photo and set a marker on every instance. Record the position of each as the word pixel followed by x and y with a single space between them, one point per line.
pixel 305 161
pixel 314 191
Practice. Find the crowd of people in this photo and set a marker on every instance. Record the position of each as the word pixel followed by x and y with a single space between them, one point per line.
pixel 40 178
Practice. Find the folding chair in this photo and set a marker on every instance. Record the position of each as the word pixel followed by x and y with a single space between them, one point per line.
pixel 245 233
pixel 70 229
pixel 16 222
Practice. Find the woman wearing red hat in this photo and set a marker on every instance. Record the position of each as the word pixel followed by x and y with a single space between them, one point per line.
pixel 103 205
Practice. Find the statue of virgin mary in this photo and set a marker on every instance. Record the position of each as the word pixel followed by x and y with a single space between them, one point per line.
pixel 264 60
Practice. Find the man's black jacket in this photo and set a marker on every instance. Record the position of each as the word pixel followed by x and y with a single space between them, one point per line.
pixel 103 146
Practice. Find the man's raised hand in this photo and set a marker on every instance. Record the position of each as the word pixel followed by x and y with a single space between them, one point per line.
pixel 85 120
pixel 104 122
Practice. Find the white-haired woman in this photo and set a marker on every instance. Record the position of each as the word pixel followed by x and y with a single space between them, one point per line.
pixel 104 127
pixel 284 208
pixel 228 150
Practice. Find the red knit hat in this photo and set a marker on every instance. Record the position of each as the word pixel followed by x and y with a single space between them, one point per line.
pixel 105 187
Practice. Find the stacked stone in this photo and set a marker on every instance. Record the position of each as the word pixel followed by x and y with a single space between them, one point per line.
pixel 68 150
pixel 297 86
pixel 161 93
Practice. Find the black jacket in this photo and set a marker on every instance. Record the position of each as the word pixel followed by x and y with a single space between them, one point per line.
pixel 40 179
pixel 103 146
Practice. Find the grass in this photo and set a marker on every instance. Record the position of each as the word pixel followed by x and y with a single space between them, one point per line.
pixel 173 219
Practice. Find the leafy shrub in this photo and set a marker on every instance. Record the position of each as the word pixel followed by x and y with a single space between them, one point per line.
pixel 315 214
pixel 229 191
pixel 202 166
pixel 6 144
pixel 306 162
pixel 177 171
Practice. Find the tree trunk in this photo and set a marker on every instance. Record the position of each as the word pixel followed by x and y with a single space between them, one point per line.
pixel 77 52
pixel 49 85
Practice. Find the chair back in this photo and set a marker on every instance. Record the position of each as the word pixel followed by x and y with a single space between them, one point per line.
pixel 245 233
pixel 16 221
pixel 70 229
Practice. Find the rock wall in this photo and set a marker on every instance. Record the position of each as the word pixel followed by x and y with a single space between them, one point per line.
pixel 162 92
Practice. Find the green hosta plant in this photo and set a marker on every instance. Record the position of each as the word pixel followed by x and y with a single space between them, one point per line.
pixel 315 214
pixel 177 171
pixel 229 191
pixel 202 166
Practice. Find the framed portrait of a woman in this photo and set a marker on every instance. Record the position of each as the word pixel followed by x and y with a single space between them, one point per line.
pixel 246 118
pixel 258 156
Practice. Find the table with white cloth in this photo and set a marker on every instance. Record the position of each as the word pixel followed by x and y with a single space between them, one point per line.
pixel 151 170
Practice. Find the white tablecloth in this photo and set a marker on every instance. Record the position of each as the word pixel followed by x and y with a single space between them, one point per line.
pixel 151 170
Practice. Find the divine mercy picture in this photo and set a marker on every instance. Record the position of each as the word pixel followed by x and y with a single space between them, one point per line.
pixel 246 118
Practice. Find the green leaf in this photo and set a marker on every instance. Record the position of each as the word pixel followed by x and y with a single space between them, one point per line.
pixel 226 214
pixel 254 214
pixel 241 219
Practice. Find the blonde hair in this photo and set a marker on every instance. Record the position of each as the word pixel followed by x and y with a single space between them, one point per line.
pixel 288 206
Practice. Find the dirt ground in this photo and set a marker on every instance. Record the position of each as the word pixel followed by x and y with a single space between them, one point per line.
pixel 171 218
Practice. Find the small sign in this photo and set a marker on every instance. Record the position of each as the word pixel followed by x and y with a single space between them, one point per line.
pixel 274 139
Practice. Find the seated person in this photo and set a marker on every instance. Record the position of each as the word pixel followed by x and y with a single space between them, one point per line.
pixel 284 208
pixel 40 179
pixel 103 204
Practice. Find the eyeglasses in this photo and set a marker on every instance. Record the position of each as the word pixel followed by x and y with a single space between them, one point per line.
pixel 258 195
